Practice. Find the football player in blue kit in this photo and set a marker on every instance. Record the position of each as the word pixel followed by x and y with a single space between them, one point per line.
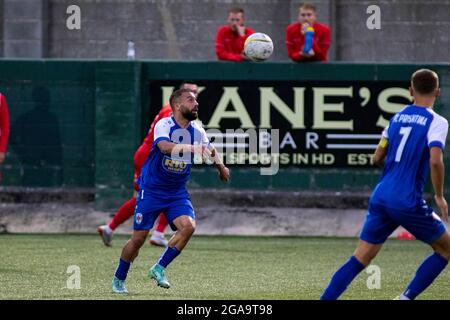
pixel 410 147
pixel 178 140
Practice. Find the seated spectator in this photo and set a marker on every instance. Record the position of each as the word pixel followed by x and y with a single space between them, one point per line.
pixel 297 35
pixel 230 38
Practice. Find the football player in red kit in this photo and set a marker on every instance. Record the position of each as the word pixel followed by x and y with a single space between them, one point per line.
pixel 127 209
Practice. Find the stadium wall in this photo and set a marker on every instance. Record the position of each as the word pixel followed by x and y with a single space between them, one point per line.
pixel 76 124
pixel 411 30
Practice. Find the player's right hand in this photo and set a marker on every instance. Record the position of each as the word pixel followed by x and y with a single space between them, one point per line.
pixel 443 207
pixel 2 157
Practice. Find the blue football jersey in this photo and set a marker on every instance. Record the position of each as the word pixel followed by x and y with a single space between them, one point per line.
pixel 166 176
pixel 410 134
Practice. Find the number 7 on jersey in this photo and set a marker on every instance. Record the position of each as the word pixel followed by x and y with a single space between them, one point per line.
pixel 404 131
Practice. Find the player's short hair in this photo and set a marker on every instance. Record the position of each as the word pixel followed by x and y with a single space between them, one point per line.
pixel 175 96
pixel 236 10
pixel 424 81
pixel 307 6
pixel 184 83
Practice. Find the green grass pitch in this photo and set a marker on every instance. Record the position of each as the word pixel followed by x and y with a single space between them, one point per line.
pixel 211 267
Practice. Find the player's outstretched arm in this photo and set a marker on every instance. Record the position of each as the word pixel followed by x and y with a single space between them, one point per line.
pixel 437 179
pixel 168 147
pixel 380 153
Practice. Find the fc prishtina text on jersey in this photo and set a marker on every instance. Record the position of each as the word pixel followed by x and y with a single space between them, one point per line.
pixel 410 134
pixel 398 198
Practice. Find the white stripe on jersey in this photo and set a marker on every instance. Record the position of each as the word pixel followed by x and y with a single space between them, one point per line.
pixel 438 128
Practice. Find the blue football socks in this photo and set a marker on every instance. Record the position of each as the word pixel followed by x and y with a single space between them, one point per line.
pixel 122 269
pixel 342 278
pixel 168 255
pixel 425 275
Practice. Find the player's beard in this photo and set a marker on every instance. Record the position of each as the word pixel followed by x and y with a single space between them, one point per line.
pixel 189 115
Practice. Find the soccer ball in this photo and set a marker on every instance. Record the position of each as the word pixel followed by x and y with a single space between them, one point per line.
pixel 258 47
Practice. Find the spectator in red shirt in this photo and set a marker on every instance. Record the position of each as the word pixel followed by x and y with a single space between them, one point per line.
pixel 230 38
pixel 4 127
pixel 295 36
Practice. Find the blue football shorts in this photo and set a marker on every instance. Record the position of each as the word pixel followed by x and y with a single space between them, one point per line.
pixel 381 221
pixel 148 207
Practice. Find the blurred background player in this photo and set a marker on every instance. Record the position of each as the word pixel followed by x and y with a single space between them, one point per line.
pixel 163 187
pixel 127 209
pixel 4 128
pixel 412 143
pixel 230 38
pixel 298 34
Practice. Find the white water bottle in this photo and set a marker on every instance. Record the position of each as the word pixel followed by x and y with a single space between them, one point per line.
pixel 131 53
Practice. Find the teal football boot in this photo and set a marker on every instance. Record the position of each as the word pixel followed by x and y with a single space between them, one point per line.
pixel 118 286
pixel 158 273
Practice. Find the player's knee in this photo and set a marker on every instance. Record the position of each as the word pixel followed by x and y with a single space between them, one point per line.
pixel 442 247
pixel 444 252
pixel 188 229
pixel 365 256
pixel 138 241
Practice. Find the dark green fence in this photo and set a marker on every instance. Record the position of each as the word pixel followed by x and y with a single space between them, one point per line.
pixel 77 123
pixel 52 116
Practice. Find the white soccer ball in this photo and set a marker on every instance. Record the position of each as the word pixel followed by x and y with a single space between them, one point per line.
pixel 258 47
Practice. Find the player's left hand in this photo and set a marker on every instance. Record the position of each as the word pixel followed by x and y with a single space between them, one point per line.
pixel 224 173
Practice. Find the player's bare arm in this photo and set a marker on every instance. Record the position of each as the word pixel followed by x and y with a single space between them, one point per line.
pixel 224 172
pixel 168 148
pixel 437 178
pixel 380 153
